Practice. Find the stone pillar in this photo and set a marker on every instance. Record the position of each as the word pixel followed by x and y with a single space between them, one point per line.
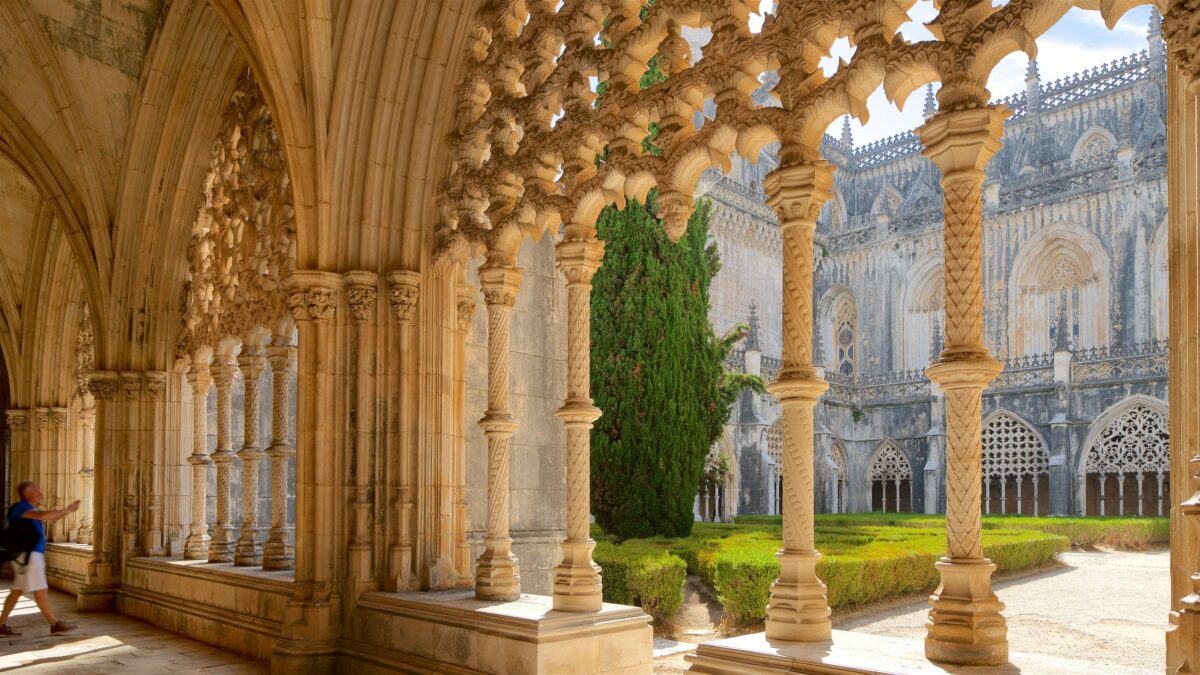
pixel 310 625
pixel 253 361
pixel 965 625
pixel 577 585
pixel 1181 27
pixel 277 551
pixel 18 426
pixel 133 446
pixel 798 609
pixel 224 538
pixel 98 592
pixel 61 462
pixel 466 300
pixel 39 453
pixel 403 291
pixel 152 468
pixel 87 436
pixel 195 547
pixel 362 293
pixel 497 575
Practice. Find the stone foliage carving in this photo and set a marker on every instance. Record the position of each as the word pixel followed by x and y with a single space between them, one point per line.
pixel 85 351
pixel 243 238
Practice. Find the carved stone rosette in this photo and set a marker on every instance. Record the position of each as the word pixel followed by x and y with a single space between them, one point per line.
pixel 798 608
pixel 965 625
pixel 224 539
pixel 497 576
pixel 577 584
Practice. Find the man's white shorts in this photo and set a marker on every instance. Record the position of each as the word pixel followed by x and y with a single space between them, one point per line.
pixel 32 576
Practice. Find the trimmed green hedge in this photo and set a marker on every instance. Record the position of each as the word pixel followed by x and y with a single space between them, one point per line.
pixel 636 573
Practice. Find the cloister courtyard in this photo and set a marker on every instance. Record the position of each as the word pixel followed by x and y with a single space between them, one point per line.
pixel 555 336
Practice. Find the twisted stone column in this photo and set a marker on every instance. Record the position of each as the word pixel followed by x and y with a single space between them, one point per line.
pixel 277 552
pixel 253 362
pixel 965 625
pixel 798 609
pixel 221 548
pixel 577 585
pixel 87 427
pixel 195 547
pixel 497 576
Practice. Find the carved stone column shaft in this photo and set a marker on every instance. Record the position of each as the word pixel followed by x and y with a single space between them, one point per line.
pixel 577 585
pixel 277 551
pixel 195 547
pixel 965 625
pixel 798 608
pixel 362 294
pixel 224 539
pixel 497 576
pixel 87 433
pixel 404 287
pixel 253 362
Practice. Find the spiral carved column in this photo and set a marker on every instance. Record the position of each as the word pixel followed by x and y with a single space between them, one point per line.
pixel 252 361
pixel 497 576
pixel 577 585
pixel 798 609
pixel 87 427
pixel 195 547
pixel 277 551
pixel 965 625
pixel 224 540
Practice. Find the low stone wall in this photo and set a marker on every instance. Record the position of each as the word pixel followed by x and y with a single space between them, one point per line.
pixel 66 566
pixel 238 609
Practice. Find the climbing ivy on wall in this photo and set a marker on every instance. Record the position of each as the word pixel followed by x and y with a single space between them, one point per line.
pixel 657 371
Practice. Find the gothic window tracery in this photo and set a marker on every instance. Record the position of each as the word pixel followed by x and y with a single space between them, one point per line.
pixel 845 323
pixel 1058 293
pixel 1127 465
pixel 890 478
pixel 838 455
pixel 1015 465
pixel 1096 146
pixel 924 316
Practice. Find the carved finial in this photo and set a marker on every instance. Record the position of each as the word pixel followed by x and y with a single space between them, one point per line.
pixel 847 137
pixel 1155 28
pixel 930 102
pixel 752 341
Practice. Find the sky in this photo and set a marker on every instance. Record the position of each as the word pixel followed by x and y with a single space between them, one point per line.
pixel 1079 41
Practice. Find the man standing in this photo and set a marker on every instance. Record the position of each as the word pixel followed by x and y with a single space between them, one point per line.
pixel 30 578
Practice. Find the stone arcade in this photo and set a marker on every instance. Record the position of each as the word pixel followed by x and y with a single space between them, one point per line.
pixel 269 273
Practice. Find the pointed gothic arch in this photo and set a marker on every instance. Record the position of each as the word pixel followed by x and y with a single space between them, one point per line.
pixel 839 327
pixel 890 478
pixel 1016 462
pixel 1094 143
pixel 837 455
pixel 1060 280
pixel 923 313
pixel 1125 461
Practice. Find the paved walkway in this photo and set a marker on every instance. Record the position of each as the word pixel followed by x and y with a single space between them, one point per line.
pixel 105 643
pixel 1107 608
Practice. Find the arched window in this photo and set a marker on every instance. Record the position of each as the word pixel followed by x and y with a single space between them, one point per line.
pixel 924 314
pixel 845 324
pixel 838 455
pixel 890 478
pixel 1128 461
pixel 775 451
pixel 1015 464
pixel 1096 144
pixel 1059 292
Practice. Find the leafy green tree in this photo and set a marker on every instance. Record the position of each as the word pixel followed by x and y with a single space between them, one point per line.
pixel 657 371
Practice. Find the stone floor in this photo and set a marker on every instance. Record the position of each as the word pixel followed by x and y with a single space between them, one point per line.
pixel 105 643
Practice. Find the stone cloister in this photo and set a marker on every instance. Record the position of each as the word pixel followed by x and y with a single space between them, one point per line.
pixel 286 218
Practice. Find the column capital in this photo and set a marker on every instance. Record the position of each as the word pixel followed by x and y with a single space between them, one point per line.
pixel 1181 29
pixel 131 384
pixel 313 295
pixel 578 259
pixel 104 384
pixel 964 370
pixel 798 386
pixel 17 420
pixel 223 369
pixel 200 377
pixel 58 418
pixel 500 284
pixel 963 140
pixel 252 362
pixel 466 299
pixel 156 383
pixel 798 191
pixel 362 291
pixel 41 418
pixel 404 288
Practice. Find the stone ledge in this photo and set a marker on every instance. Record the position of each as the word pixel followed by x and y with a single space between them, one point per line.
pixel 852 653
pixel 451 631
pixel 66 566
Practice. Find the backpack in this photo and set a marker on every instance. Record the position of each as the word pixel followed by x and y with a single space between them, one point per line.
pixel 18 538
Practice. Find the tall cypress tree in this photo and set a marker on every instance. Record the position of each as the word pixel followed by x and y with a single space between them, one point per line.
pixel 657 371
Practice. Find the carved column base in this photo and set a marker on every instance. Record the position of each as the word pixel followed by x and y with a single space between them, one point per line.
pixel 249 549
pixel 577 585
pixel 798 610
pixel 403 579
pixel 99 591
pixel 195 547
pixel 1183 635
pixel 222 546
pixel 497 574
pixel 965 625
pixel 277 553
